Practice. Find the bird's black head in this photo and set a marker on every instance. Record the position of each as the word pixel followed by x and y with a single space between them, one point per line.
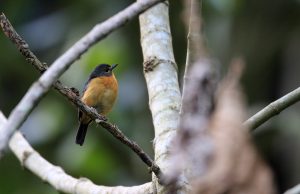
pixel 102 70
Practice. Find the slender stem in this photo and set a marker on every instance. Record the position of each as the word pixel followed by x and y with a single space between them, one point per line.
pixel 273 109
pixel 294 190
pixel 197 103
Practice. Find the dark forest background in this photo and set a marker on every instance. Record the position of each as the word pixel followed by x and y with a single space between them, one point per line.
pixel 266 33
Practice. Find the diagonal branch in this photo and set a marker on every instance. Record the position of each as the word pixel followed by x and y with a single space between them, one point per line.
pixel 193 24
pixel 293 190
pixel 192 141
pixel 273 109
pixel 55 176
pixel 71 96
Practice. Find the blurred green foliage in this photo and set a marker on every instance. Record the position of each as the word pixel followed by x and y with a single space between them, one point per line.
pixel 265 33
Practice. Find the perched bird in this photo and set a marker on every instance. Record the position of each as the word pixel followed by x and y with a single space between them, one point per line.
pixel 100 92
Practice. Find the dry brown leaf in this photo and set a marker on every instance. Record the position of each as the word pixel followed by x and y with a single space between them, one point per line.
pixel 236 167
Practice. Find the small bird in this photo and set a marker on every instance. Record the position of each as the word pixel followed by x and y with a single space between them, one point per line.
pixel 100 92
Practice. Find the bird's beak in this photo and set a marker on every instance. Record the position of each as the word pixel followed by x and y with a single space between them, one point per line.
pixel 113 66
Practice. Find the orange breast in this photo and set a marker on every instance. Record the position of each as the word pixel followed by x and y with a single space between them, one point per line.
pixel 101 93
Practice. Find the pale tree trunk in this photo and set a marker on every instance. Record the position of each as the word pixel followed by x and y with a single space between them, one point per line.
pixel 162 82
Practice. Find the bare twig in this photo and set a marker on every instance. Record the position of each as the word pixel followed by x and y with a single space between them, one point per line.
pixel 200 85
pixel 199 76
pixel 273 109
pixel 197 104
pixel 55 176
pixel 71 95
pixel 294 190
pixel 193 24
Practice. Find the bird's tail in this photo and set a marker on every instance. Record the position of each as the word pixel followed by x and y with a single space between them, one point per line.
pixel 81 133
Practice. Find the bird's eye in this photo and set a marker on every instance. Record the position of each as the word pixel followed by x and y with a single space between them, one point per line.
pixel 107 70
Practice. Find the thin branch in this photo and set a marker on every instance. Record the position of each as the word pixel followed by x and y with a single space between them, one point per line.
pixel 72 96
pixel 273 109
pixel 193 24
pixel 200 85
pixel 199 76
pixel 55 176
pixel 294 190
pixel 197 104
